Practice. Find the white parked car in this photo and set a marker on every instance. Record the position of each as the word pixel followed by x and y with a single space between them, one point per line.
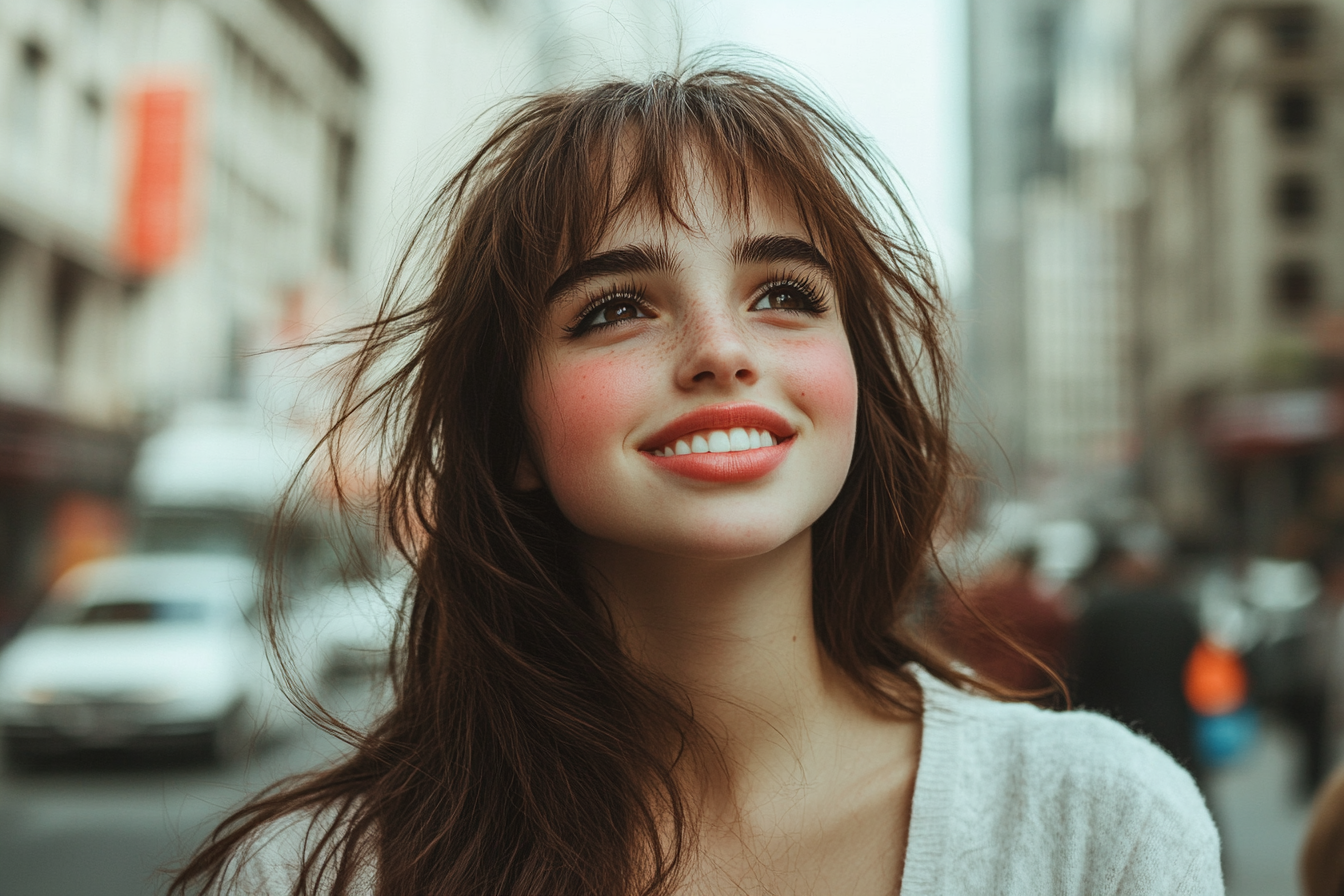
pixel 347 628
pixel 139 650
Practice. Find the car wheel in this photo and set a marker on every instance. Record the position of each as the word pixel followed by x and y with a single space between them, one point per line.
pixel 19 756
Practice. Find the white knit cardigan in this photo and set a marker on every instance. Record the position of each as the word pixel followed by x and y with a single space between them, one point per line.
pixel 1009 799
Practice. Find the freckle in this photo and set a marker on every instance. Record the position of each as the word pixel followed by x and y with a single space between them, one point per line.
pixel 795 637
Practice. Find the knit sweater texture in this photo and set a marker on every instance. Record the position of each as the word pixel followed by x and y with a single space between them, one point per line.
pixel 1009 799
pixel 1012 799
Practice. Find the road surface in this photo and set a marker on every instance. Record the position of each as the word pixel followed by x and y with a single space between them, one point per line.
pixel 106 825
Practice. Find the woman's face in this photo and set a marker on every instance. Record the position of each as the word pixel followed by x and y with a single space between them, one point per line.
pixel 694 393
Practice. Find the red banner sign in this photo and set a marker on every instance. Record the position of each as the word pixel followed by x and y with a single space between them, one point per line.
pixel 155 218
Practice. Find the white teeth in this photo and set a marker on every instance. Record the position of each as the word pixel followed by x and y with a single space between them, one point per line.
pixel 719 441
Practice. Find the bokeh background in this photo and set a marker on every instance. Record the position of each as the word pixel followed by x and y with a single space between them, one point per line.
pixel 1137 207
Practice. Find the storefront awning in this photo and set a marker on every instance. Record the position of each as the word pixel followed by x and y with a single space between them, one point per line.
pixel 38 447
pixel 1273 422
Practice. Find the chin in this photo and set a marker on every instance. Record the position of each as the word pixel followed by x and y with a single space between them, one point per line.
pixel 716 539
pixel 743 549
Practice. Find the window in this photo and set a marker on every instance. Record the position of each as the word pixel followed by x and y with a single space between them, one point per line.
pixel 119 610
pixel 341 163
pixel 1296 111
pixel 34 56
pixel 142 611
pixel 25 99
pixel 1296 198
pixel 1292 30
pixel 67 286
pixel 1295 286
pixel 87 136
pixel 92 18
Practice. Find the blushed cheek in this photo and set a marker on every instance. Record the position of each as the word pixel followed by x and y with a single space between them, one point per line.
pixel 821 377
pixel 580 413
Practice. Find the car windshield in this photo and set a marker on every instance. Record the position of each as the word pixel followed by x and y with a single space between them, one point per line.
pixel 115 612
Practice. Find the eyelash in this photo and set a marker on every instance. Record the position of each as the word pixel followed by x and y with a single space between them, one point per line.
pixel 633 295
pixel 809 293
pixel 630 295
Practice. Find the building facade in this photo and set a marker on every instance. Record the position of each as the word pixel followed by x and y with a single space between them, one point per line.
pixel 173 173
pixel 146 243
pixel 1241 281
pixel 187 184
pixel 1054 191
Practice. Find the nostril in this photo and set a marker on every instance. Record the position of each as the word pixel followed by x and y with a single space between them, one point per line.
pixel 744 374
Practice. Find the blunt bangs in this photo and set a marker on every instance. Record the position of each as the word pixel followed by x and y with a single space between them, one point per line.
pixel 621 147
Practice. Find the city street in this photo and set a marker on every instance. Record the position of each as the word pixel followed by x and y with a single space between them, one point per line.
pixel 359 305
pixel 103 826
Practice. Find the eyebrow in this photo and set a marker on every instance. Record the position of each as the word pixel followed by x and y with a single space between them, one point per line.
pixel 637 259
pixel 766 249
pixel 642 258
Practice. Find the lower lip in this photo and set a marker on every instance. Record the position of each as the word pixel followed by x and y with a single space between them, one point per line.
pixel 729 466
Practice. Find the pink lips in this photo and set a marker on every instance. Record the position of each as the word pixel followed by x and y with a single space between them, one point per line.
pixel 733 466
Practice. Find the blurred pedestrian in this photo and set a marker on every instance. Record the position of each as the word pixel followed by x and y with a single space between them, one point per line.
pixel 1287 662
pixel 1131 644
pixel 1325 658
pixel 1321 865
pixel 1007 626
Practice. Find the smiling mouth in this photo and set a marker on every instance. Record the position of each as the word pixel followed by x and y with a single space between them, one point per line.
pixel 719 441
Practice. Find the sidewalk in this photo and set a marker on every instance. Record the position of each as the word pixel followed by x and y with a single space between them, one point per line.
pixel 1260 817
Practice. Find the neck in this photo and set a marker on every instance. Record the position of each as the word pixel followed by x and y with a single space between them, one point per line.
pixel 737 636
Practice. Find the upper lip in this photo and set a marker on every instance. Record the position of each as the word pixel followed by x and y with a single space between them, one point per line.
pixel 720 416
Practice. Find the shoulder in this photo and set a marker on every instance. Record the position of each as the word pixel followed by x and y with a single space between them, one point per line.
pixel 271 860
pixel 1075 745
pixel 1073 796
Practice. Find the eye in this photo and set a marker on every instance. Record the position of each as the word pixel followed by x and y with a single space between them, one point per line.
pixel 608 312
pixel 788 295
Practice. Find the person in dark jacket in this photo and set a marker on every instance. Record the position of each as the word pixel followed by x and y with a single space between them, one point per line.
pixel 1131 644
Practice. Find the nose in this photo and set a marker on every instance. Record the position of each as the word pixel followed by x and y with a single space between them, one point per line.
pixel 716 352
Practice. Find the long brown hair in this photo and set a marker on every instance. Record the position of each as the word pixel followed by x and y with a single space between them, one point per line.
pixel 525 753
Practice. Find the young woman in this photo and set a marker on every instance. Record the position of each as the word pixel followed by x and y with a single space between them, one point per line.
pixel 670 443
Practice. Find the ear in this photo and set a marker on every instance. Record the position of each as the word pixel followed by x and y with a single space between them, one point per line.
pixel 525 476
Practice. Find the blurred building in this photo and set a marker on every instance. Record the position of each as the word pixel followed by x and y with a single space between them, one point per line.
pixel 1054 189
pixel 187 183
pixel 437 72
pixel 172 174
pixel 1240 277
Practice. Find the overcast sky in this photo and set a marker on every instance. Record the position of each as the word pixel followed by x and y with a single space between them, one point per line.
pixel 898 67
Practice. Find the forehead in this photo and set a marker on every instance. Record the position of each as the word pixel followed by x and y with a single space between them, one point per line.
pixel 708 206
